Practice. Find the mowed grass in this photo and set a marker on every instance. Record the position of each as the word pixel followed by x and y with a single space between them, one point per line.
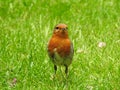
pixel 26 27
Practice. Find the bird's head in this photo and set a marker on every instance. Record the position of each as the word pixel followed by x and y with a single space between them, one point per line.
pixel 61 30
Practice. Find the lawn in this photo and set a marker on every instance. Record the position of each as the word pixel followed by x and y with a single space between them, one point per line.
pixel 26 27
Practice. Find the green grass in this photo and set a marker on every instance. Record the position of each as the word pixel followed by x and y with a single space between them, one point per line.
pixel 26 27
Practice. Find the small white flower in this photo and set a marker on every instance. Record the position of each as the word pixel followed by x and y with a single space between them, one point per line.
pixel 101 44
pixel 13 82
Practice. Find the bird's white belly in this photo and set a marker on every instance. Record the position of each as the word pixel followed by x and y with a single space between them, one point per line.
pixel 61 61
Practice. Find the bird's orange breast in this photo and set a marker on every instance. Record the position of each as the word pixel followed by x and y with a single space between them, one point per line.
pixel 62 46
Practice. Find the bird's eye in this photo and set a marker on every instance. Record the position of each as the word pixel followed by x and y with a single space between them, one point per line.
pixel 56 28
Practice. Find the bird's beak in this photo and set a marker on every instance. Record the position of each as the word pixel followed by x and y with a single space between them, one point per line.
pixel 63 29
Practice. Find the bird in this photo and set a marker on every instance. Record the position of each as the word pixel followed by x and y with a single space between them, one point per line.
pixel 60 47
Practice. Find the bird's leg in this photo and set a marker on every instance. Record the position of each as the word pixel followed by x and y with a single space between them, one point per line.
pixel 54 75
pixel 55 68
pixel 66 70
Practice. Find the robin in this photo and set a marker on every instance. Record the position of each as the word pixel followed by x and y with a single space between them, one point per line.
pixel 60 47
